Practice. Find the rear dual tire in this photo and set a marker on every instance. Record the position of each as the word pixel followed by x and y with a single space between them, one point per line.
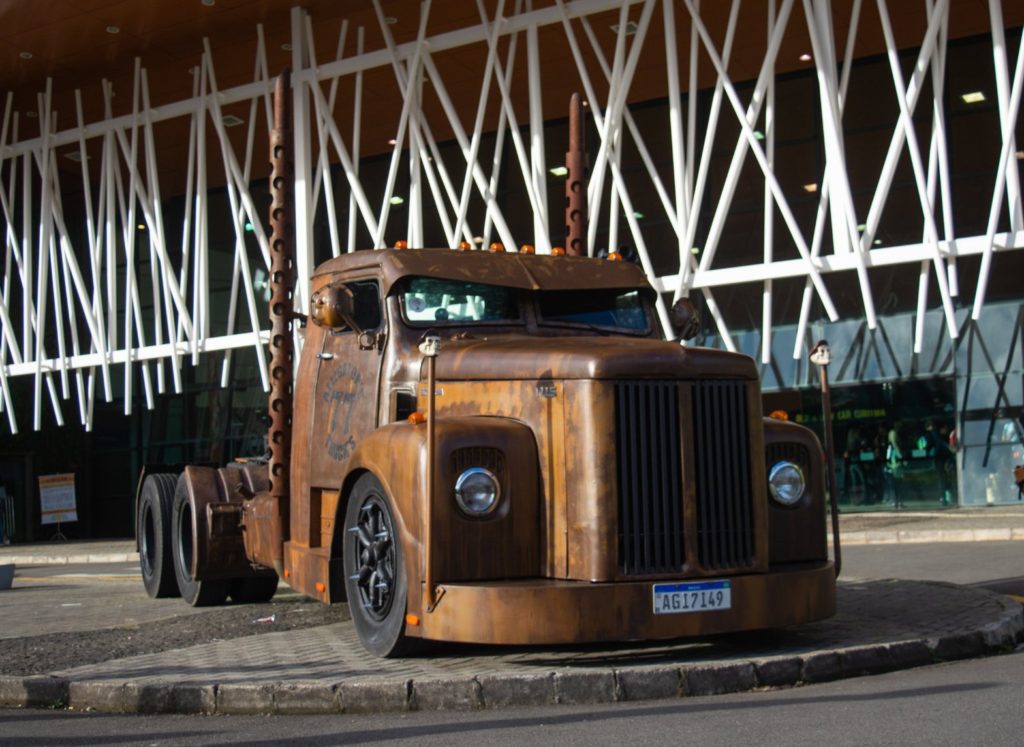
pixel 197 593
pixel 153 533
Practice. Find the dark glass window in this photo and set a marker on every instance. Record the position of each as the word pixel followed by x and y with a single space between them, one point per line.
pixel 621 310
pixel 429 301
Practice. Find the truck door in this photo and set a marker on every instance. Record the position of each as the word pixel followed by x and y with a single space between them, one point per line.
pixel 347 388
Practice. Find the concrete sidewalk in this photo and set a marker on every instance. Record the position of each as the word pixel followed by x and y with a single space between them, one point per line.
pixel 996 523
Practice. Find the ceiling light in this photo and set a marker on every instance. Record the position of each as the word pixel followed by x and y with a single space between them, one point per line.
pixel 396 200
pixel 230 120
pixel 1020 155
pixel 392 141
pixel 805 57
pixel 695 250
pixel 248 226
pixel 558 171
pixel 390 20
pixel 208 3
pixel 862 227
pixel 141 226
pixel 25 55
pixel 638 215
pixel 286 47
pixel 973 97
pixel 758 135
pixel 631 28
pixel 113 30
pixel 74 156
pixel 812 187
pixel 878 242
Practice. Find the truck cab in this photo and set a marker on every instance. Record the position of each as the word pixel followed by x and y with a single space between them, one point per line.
pixel 584 479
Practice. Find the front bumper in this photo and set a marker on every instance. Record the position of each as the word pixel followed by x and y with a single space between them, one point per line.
pixel 547 611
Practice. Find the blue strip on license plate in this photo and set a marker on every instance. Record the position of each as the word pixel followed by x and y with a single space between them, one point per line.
pixel 673 599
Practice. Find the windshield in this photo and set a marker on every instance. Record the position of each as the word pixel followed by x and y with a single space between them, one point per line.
pixel 428 301
pixel 621 310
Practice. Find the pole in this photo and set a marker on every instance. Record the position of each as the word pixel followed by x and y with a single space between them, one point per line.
pixel 430 347
pixel 821 356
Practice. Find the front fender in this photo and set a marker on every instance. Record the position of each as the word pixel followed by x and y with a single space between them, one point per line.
pixel 506 544
pixel 797 533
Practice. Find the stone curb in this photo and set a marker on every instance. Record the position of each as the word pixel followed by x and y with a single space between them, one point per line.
pixel 109 557
pixel 920 536
pixel 497 691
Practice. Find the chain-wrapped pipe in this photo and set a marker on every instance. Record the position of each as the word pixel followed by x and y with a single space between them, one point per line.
pixel 282 289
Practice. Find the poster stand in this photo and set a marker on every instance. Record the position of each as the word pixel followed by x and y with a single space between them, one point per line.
pixel 57 502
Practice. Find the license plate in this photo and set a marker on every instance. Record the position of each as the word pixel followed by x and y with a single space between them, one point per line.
pixel 673 599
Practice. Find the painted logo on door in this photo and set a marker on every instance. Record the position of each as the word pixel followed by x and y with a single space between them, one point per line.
pixel 340 397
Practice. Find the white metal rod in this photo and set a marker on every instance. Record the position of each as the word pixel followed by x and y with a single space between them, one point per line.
pixel 460 135
pixel 927 210
pixel 999 55
pixel 698 182
pixel 997 196
pixel 755 146
pixel 357 107
pixel 478 123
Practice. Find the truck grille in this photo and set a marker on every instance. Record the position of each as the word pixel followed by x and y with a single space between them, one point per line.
pixel 649 477
pixel 721 445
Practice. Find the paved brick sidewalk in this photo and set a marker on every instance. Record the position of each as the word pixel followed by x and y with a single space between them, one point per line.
pixel 879 626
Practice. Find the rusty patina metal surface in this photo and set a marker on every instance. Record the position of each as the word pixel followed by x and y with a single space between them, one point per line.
pixel 513 270
pixel 576 183
pixel 282 288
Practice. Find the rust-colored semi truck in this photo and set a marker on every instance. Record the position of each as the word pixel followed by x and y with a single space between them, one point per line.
pixel 500 447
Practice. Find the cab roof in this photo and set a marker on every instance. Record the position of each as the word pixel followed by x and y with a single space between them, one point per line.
pixel 526 271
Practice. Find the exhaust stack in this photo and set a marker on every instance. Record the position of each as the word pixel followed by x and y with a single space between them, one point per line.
pixel 282 286
pixel 576 183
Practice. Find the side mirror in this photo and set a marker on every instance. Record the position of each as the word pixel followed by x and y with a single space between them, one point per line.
pixel 334 307
pixel 685 319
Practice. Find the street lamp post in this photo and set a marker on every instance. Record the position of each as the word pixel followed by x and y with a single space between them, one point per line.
pixel 821 356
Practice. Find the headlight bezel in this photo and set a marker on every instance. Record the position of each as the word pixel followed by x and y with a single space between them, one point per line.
pixel 461 499
pixel 781 492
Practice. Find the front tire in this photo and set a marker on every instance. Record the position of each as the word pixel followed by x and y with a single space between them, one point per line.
pixel 154 536
pixel 375 578
pixel 196 593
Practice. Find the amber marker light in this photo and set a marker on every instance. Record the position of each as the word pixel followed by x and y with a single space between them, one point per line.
pixel 465 246
pixel 287 573
pixel 417 418
pixel 527 249
pixel 401 244
pixel 614 257
pixel 496 246
pixel 558 251
pixel 412 620
pixel 320 588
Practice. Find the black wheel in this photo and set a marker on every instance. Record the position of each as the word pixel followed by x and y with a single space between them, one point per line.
pixel 253 590
pixel 196 593
pixel 374 571
pixel 154 535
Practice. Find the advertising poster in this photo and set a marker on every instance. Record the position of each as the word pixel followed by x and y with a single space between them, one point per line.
pixel 57 499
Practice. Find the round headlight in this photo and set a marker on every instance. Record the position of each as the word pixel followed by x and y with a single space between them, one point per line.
pixel 477 491
pixel 786 483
